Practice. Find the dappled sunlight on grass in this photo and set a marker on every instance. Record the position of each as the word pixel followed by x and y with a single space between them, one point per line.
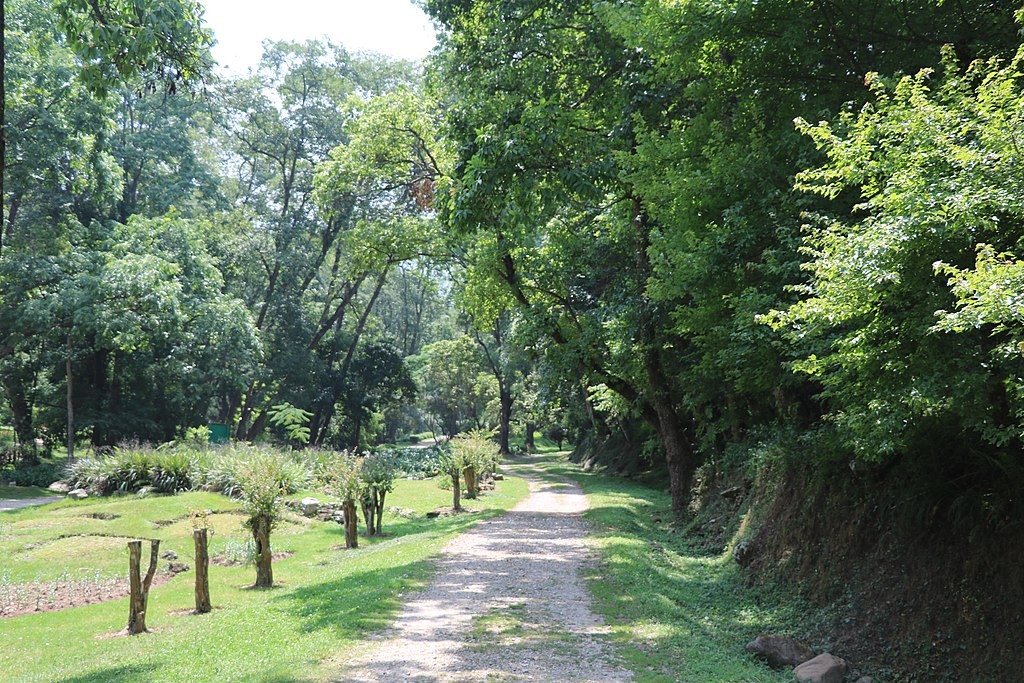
pixel 676 614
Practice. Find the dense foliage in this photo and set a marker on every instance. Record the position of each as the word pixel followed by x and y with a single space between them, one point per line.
pixel 679 254
pixel 705 230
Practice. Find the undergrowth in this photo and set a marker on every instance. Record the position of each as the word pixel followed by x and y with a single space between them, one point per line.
pixel 677 613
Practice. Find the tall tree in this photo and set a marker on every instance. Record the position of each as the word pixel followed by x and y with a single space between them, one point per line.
pixel 160 43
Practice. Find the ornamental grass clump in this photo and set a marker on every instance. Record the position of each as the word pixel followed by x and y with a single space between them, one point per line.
pixel 477 456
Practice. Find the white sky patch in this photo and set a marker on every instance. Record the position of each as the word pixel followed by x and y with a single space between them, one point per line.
pixel 393 27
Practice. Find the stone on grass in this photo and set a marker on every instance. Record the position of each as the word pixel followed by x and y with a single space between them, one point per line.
pixel 310 506
pixel 168 555
pixel 177 567
pixel 744 553
pixel 78 494
pixel 824 668
pixel 59 487
pixel 779 651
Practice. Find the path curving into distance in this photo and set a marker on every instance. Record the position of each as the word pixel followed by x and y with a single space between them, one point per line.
pixel 508 604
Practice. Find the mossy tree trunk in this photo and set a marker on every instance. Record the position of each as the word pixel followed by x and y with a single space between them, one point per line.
pixel 138 586
pixel 351 530
pixel 264 558
pixel 471 484
pixel 369 513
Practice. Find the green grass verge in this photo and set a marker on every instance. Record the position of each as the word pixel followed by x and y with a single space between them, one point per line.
pixel 675 614
pixel 21 492
pixel 327 601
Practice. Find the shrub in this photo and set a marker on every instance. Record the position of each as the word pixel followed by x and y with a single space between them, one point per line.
pixel 475 455
pixel 123 470
pixel 377 475
pixel 345 483
pixel 420 463
pixel 261 490
pixel 223 470
pixel 181 467
pixel 173 471
pixel 43 474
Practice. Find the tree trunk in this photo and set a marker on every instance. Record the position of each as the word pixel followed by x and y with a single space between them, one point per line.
pixel 379 503
pixel 504 421
pixel 70 405
pixel 199 536
pixel 138 586
pixel 264 558
pixel 21 416
pixel 530 428
pixel 351 530
pixel 679 456
pixel 456 492
pixel 470 475
pixel 369 514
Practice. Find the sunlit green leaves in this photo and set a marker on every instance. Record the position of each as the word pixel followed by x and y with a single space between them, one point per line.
pixel 895 317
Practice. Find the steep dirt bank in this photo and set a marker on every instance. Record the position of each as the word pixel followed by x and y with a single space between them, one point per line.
pixel 901 587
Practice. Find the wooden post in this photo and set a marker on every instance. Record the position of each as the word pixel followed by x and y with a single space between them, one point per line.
pixel 456 492
pixel 471 487
pixel 202 572
pixel 140 587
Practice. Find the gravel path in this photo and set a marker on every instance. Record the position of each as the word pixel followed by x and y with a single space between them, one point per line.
pixel 15 503
pixel 508 604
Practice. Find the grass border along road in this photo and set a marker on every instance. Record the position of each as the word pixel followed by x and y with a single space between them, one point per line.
pixel 674 614
pixel 326 603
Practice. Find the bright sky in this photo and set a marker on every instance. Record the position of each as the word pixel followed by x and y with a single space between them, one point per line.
pixel 393 27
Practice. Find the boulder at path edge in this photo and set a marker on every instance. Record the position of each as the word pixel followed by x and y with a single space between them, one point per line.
pixel 824 668
pixel 779 651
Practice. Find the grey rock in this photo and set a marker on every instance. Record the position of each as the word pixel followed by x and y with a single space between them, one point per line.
pixel 59 487
pixel 177 567
pixel 168 555
pixel 78 494
pixel 779 651
pixel 825 668
pixel 310 506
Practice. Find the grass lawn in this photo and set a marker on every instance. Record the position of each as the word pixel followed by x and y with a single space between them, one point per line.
pixel 20 492
pixel 328 598
pixel 675 615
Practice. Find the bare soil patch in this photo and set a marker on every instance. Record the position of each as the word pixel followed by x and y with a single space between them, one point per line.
pixel 225 561
pixel 65 592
